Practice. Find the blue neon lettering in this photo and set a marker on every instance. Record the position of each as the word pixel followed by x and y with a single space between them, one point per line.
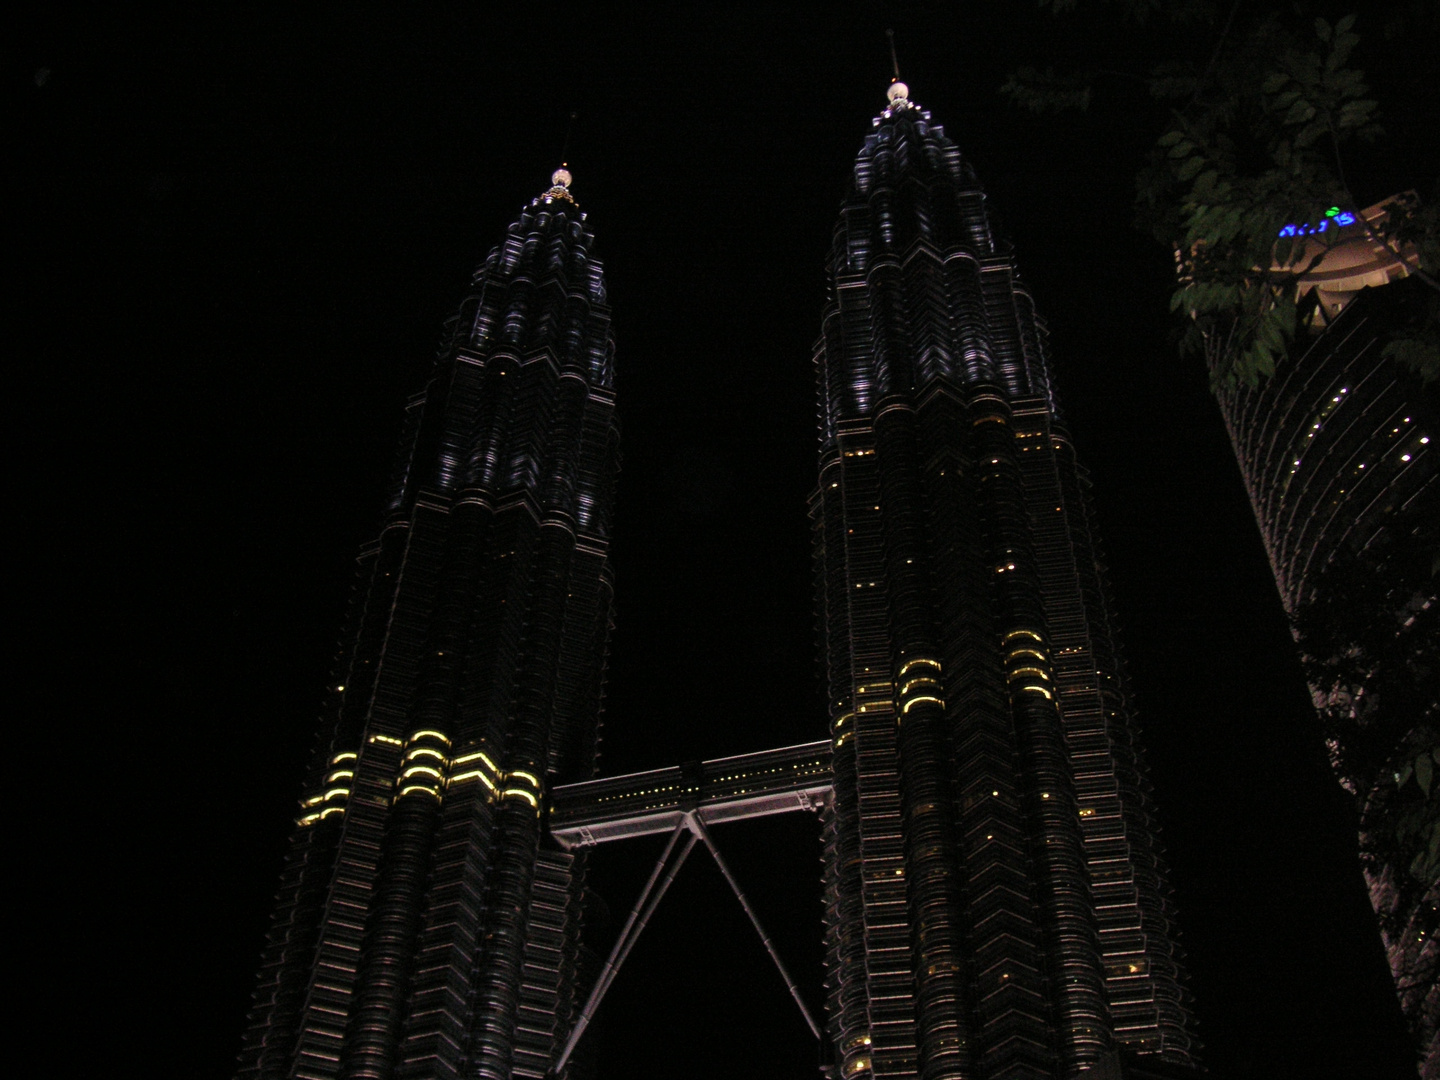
pixel 1339 217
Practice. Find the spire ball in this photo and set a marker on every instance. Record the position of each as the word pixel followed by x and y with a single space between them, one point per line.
pixel 898 91
pixel 559 187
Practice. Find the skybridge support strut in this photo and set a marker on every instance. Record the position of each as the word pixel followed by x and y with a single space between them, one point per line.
pixel 650 897
pixel 697 827
pixel 655 888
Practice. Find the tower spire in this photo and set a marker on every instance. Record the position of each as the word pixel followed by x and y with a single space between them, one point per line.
pixel 561 179
pixel 898 93
pixel 565 146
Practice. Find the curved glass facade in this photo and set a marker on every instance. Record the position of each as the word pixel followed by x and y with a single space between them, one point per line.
pixel 1339 456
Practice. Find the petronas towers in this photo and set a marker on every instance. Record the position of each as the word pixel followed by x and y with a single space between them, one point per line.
pixel 994 896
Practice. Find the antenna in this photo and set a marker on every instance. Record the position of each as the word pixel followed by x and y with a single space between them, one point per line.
pixel 565 146
pixel 894 63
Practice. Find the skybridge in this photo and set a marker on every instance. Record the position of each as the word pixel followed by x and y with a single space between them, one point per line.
pixel 728 789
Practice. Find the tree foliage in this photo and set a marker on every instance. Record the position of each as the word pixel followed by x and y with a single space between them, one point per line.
pixel 1370 640
pixel 1371 647
pixel 1253 134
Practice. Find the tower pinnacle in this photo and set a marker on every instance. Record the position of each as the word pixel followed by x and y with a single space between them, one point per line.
pixel 898 91
pixel 560 185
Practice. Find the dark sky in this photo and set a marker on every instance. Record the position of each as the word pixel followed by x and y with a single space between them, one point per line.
pixel 237 234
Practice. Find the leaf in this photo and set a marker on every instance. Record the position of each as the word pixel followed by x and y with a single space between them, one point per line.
pixel 1424 769
pixel 1285 312
pixel 1355 114
pixel 1425 864
pixel 1299 112
pixel 1420 354
pixel 1263 362
pixel 1189 169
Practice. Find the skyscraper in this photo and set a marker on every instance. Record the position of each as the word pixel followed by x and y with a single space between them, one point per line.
pixel 422 925
pixel 996 903
pixel 994 897
pixel 1337 451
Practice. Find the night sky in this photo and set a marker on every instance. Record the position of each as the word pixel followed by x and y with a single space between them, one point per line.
pixel 236 235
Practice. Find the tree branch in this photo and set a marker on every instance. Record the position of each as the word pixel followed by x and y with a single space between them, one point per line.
pixel 1215 55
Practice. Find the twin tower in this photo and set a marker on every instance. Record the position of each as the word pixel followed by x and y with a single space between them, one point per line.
pixel 994 895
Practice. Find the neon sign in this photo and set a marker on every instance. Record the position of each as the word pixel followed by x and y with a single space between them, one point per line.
pixel 1334 216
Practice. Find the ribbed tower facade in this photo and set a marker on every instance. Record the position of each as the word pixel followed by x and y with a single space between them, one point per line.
pixel 424 926
pixel 995 896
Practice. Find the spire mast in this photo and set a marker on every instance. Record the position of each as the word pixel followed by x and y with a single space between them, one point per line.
pixel 565 146
pixel 560 179
pixel 899 93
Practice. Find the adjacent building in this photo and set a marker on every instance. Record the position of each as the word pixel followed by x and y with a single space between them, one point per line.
pixel 1338 454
